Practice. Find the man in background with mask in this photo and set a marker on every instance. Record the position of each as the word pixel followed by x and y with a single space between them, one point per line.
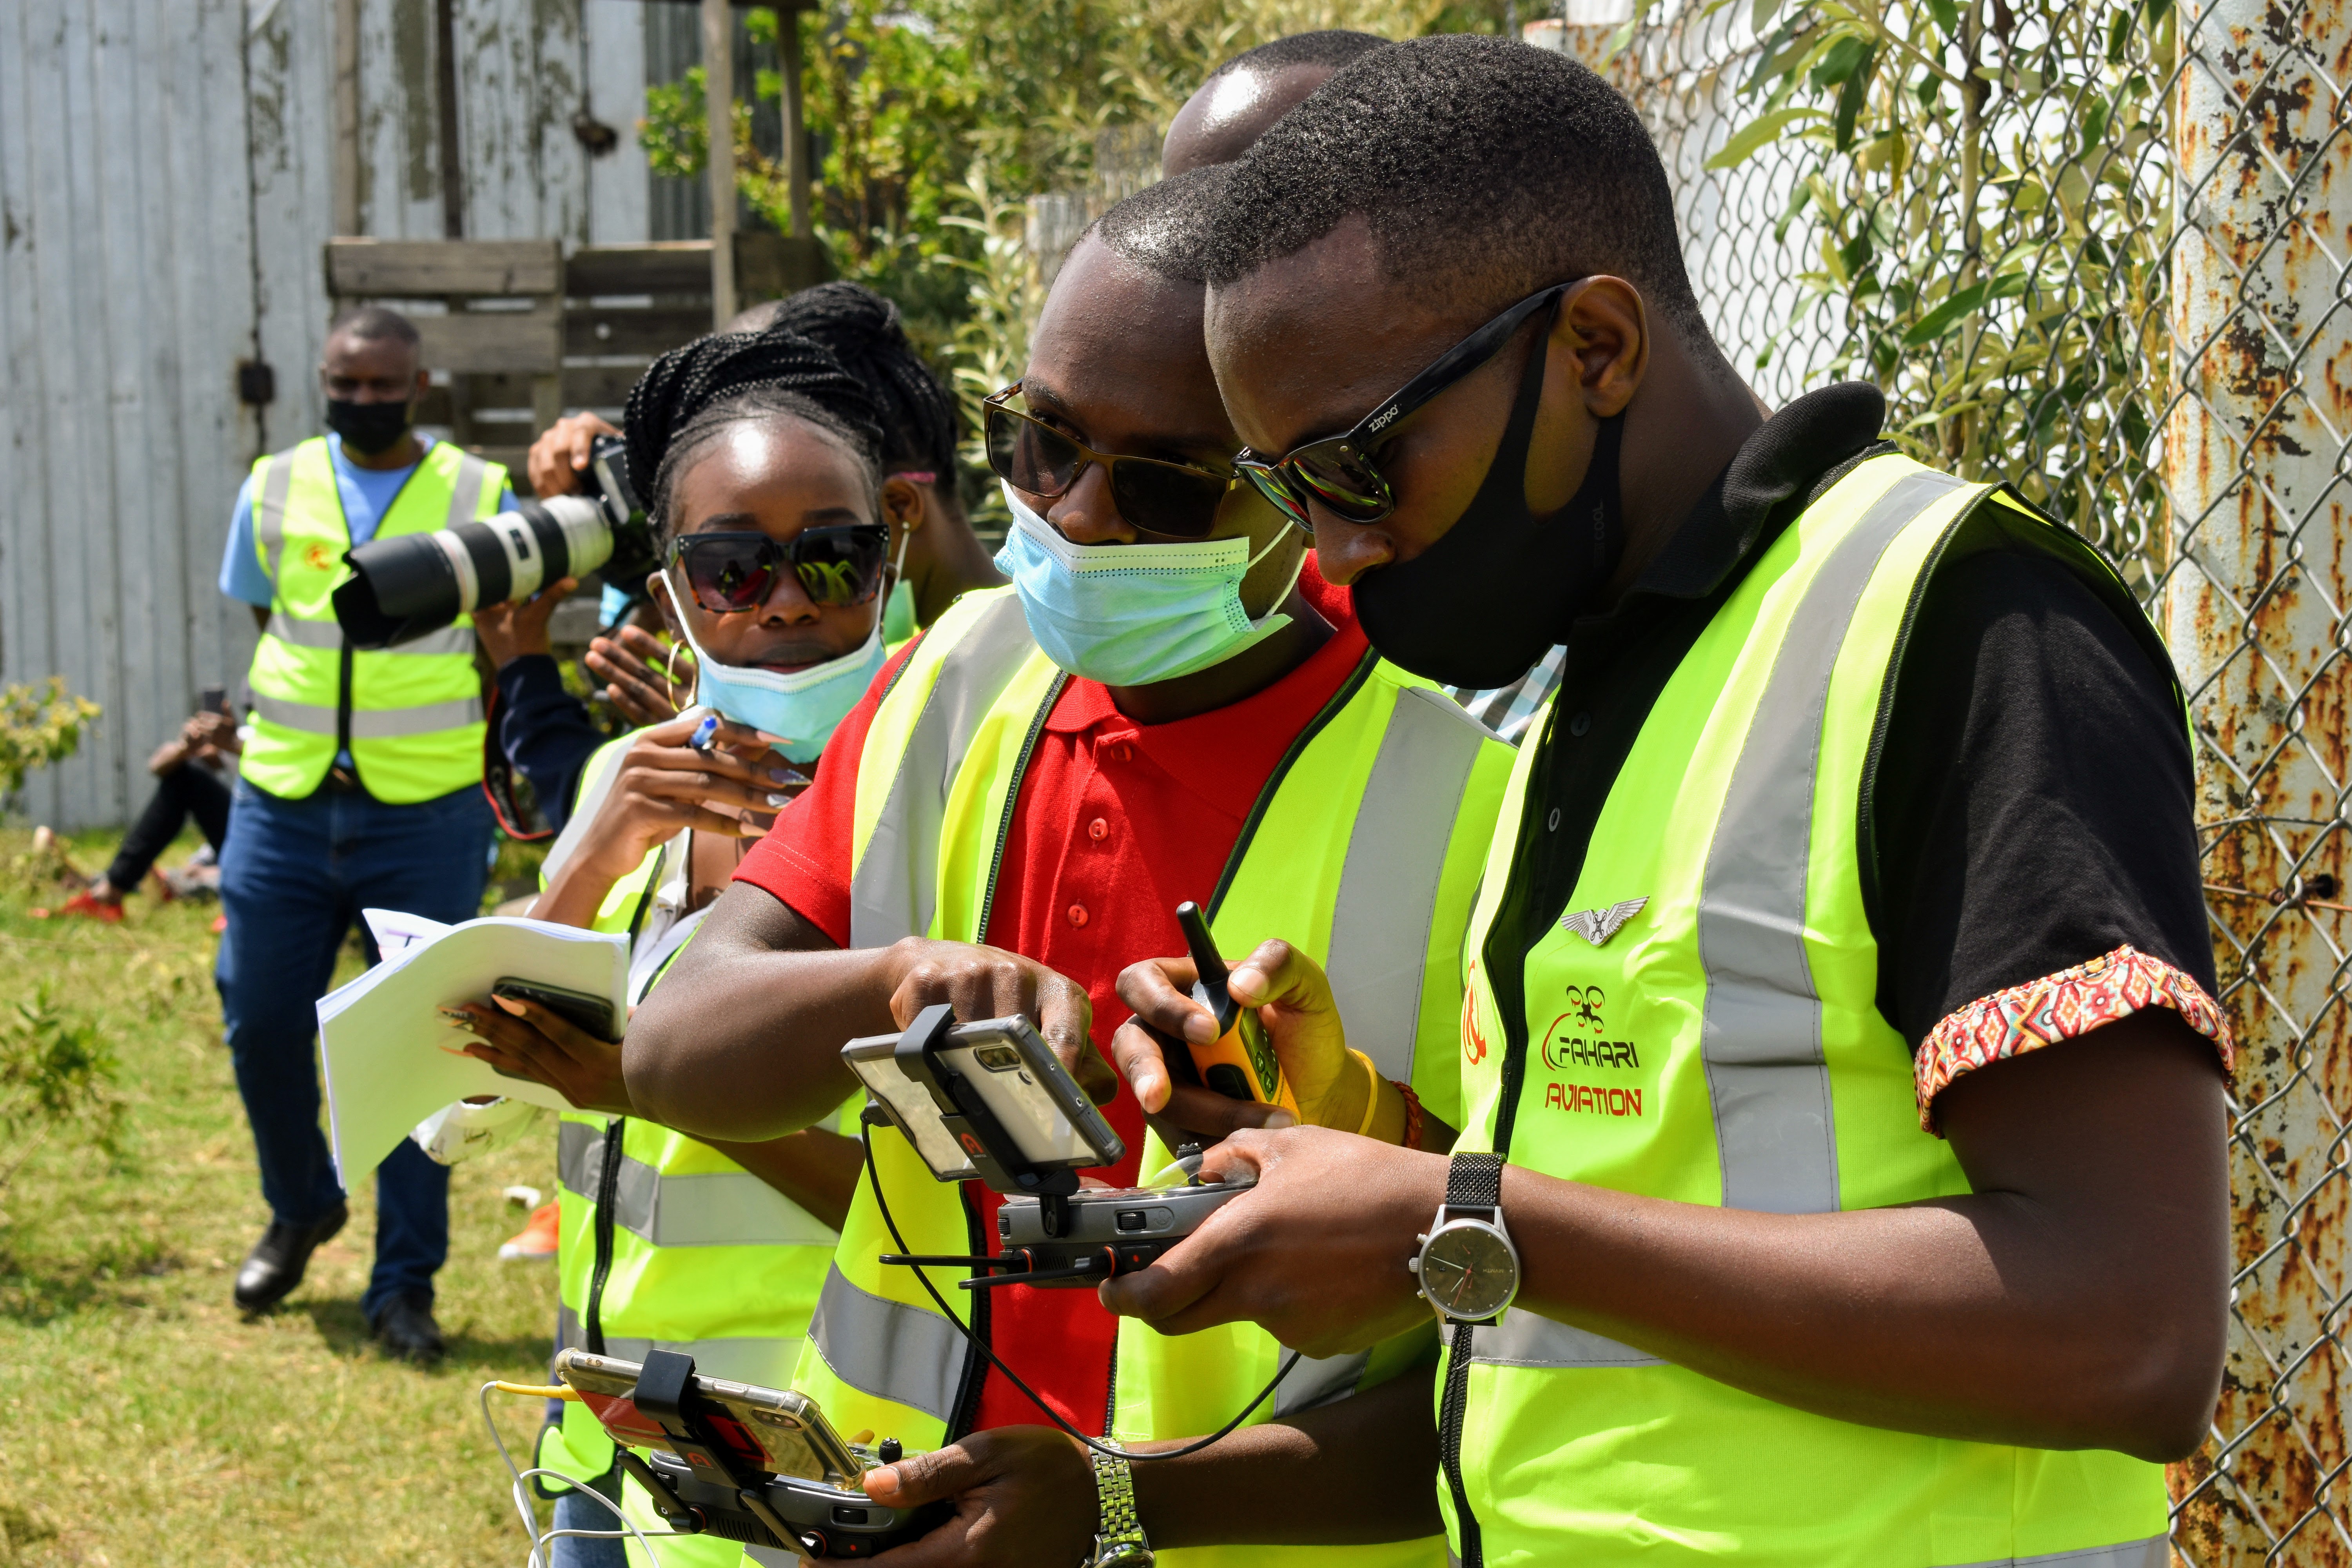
pixel 1168 704
pixel 360 787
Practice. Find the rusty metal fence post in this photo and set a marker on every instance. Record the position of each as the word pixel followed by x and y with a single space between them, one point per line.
pixel 2258 610
pixel 2233 515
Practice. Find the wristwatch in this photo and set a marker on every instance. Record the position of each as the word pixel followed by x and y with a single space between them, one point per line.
pixel 1467 1267
pixel 1120 1544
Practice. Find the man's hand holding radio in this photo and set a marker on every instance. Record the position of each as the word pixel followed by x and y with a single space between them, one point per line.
pixel 1292 999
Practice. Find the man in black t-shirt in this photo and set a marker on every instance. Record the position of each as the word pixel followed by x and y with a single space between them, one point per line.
pixel 1891 1226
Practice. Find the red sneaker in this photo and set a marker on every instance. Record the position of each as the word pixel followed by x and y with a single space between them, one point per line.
pixel 220 925
pixel 165 891
pixel 535 1243
pixel 83 904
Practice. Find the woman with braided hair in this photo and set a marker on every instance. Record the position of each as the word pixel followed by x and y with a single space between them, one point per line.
pixel 919 429
pixel 546 733
pixel 775 529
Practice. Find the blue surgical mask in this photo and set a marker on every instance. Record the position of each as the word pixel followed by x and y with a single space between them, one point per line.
pixel 802 705
pixel 1130 615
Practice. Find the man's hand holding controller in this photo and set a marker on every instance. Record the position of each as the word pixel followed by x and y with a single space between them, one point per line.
pixel 1329 1206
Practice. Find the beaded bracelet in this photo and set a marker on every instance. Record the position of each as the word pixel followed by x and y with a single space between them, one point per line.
pixel 1412 1115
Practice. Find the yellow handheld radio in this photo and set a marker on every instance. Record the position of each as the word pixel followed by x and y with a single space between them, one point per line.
pixel 1240 1065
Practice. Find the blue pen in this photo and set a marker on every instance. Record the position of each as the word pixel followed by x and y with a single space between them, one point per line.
pixel 701 740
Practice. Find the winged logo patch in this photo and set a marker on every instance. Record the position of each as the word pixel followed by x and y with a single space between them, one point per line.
pixel 1597 926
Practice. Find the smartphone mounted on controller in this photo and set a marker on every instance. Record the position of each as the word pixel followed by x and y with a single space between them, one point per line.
pixel 988 1101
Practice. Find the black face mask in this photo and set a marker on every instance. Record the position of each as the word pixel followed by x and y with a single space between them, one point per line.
pixel 370 429
pixel 1477 608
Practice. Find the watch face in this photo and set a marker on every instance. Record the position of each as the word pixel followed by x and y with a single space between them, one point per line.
pixel 1468 1271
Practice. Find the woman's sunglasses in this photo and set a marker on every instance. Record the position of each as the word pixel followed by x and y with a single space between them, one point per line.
pixel 837 565
pixel 1172 499
pixel 1336 473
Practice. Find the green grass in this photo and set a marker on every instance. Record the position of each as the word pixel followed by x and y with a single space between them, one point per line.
pixel 146 1420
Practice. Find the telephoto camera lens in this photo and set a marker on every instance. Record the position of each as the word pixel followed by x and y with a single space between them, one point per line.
pixel 409 586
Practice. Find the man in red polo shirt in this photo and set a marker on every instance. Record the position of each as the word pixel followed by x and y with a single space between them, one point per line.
pixel 1198 671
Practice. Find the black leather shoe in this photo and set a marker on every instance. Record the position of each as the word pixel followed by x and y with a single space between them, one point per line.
pixel 275 1265
pixel 406 1329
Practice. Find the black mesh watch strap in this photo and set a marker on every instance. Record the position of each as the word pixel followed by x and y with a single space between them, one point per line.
pixel 1475 1182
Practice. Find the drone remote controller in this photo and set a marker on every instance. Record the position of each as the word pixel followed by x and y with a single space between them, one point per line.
pixel 824 1520
pixel 1104 1232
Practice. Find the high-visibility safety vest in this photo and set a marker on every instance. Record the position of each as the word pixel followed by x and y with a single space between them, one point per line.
pixel 411 716
pixel 1724 1046
pixel 1363 851
pixel 663 1242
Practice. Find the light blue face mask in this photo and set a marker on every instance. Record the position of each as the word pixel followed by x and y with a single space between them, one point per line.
pixel 1130 615
pixel 802 705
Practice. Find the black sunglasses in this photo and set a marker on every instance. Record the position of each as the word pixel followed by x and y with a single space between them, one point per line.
pixel 837 565
pixel 1336 473
pixel 1172 499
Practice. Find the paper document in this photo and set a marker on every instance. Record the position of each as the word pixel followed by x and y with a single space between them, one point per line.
pixel 380 1037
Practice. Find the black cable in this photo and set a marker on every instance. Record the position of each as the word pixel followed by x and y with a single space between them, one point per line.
pixel 874 1178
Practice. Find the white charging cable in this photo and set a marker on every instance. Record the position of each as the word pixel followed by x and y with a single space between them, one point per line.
pixel 521 1499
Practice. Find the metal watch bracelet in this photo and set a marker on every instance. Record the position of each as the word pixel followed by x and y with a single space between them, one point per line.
pixel 1118 1541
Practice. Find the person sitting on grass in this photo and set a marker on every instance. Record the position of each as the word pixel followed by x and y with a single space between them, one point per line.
pixel 192 780
pixel 776 528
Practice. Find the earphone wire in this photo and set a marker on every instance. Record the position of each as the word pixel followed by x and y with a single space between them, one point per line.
pixel 874 1178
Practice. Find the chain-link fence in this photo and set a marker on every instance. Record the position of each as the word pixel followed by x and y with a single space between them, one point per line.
pixel 2169 368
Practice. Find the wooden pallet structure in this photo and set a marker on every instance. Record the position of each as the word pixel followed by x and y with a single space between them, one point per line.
pixel 516 332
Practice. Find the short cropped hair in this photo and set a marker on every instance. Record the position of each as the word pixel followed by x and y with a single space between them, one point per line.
pixel 1487 168
pixel 371 322
pixel 1333 46
pixel 1165 227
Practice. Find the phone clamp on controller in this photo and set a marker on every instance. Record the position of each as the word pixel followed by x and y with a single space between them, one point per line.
pixel 1053 1231
pixel 1108 1231
pixel 703 1487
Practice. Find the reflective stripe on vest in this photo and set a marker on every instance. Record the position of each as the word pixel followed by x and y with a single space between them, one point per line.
pixel 415 714
pixel 1769 1082
pixel 894 888
pixel 1723 1046
pixel 313 720
pixel 1386 799
pixel 713 1208
pixel 704 1256
pixel 887 1348
pixel 328 635
pixel 763 1359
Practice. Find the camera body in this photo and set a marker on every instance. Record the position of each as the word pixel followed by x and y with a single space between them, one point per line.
pixel 416 584
pixel 1106 1231
pixel 827 1520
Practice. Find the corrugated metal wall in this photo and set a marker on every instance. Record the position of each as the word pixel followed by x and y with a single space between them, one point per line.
pixel 166 184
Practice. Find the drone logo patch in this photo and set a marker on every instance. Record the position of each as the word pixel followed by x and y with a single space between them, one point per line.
pixel 1597 926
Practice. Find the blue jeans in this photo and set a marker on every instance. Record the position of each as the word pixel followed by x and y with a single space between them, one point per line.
pixel 574 1512
pixel 294 876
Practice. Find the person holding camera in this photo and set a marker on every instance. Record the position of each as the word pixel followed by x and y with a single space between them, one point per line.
pixel 775 524
pixel 1845 1175
pixel 1167 704
pixel 359 785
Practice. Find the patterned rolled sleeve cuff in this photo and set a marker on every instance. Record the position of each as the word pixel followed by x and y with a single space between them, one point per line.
pixel 2059 1007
